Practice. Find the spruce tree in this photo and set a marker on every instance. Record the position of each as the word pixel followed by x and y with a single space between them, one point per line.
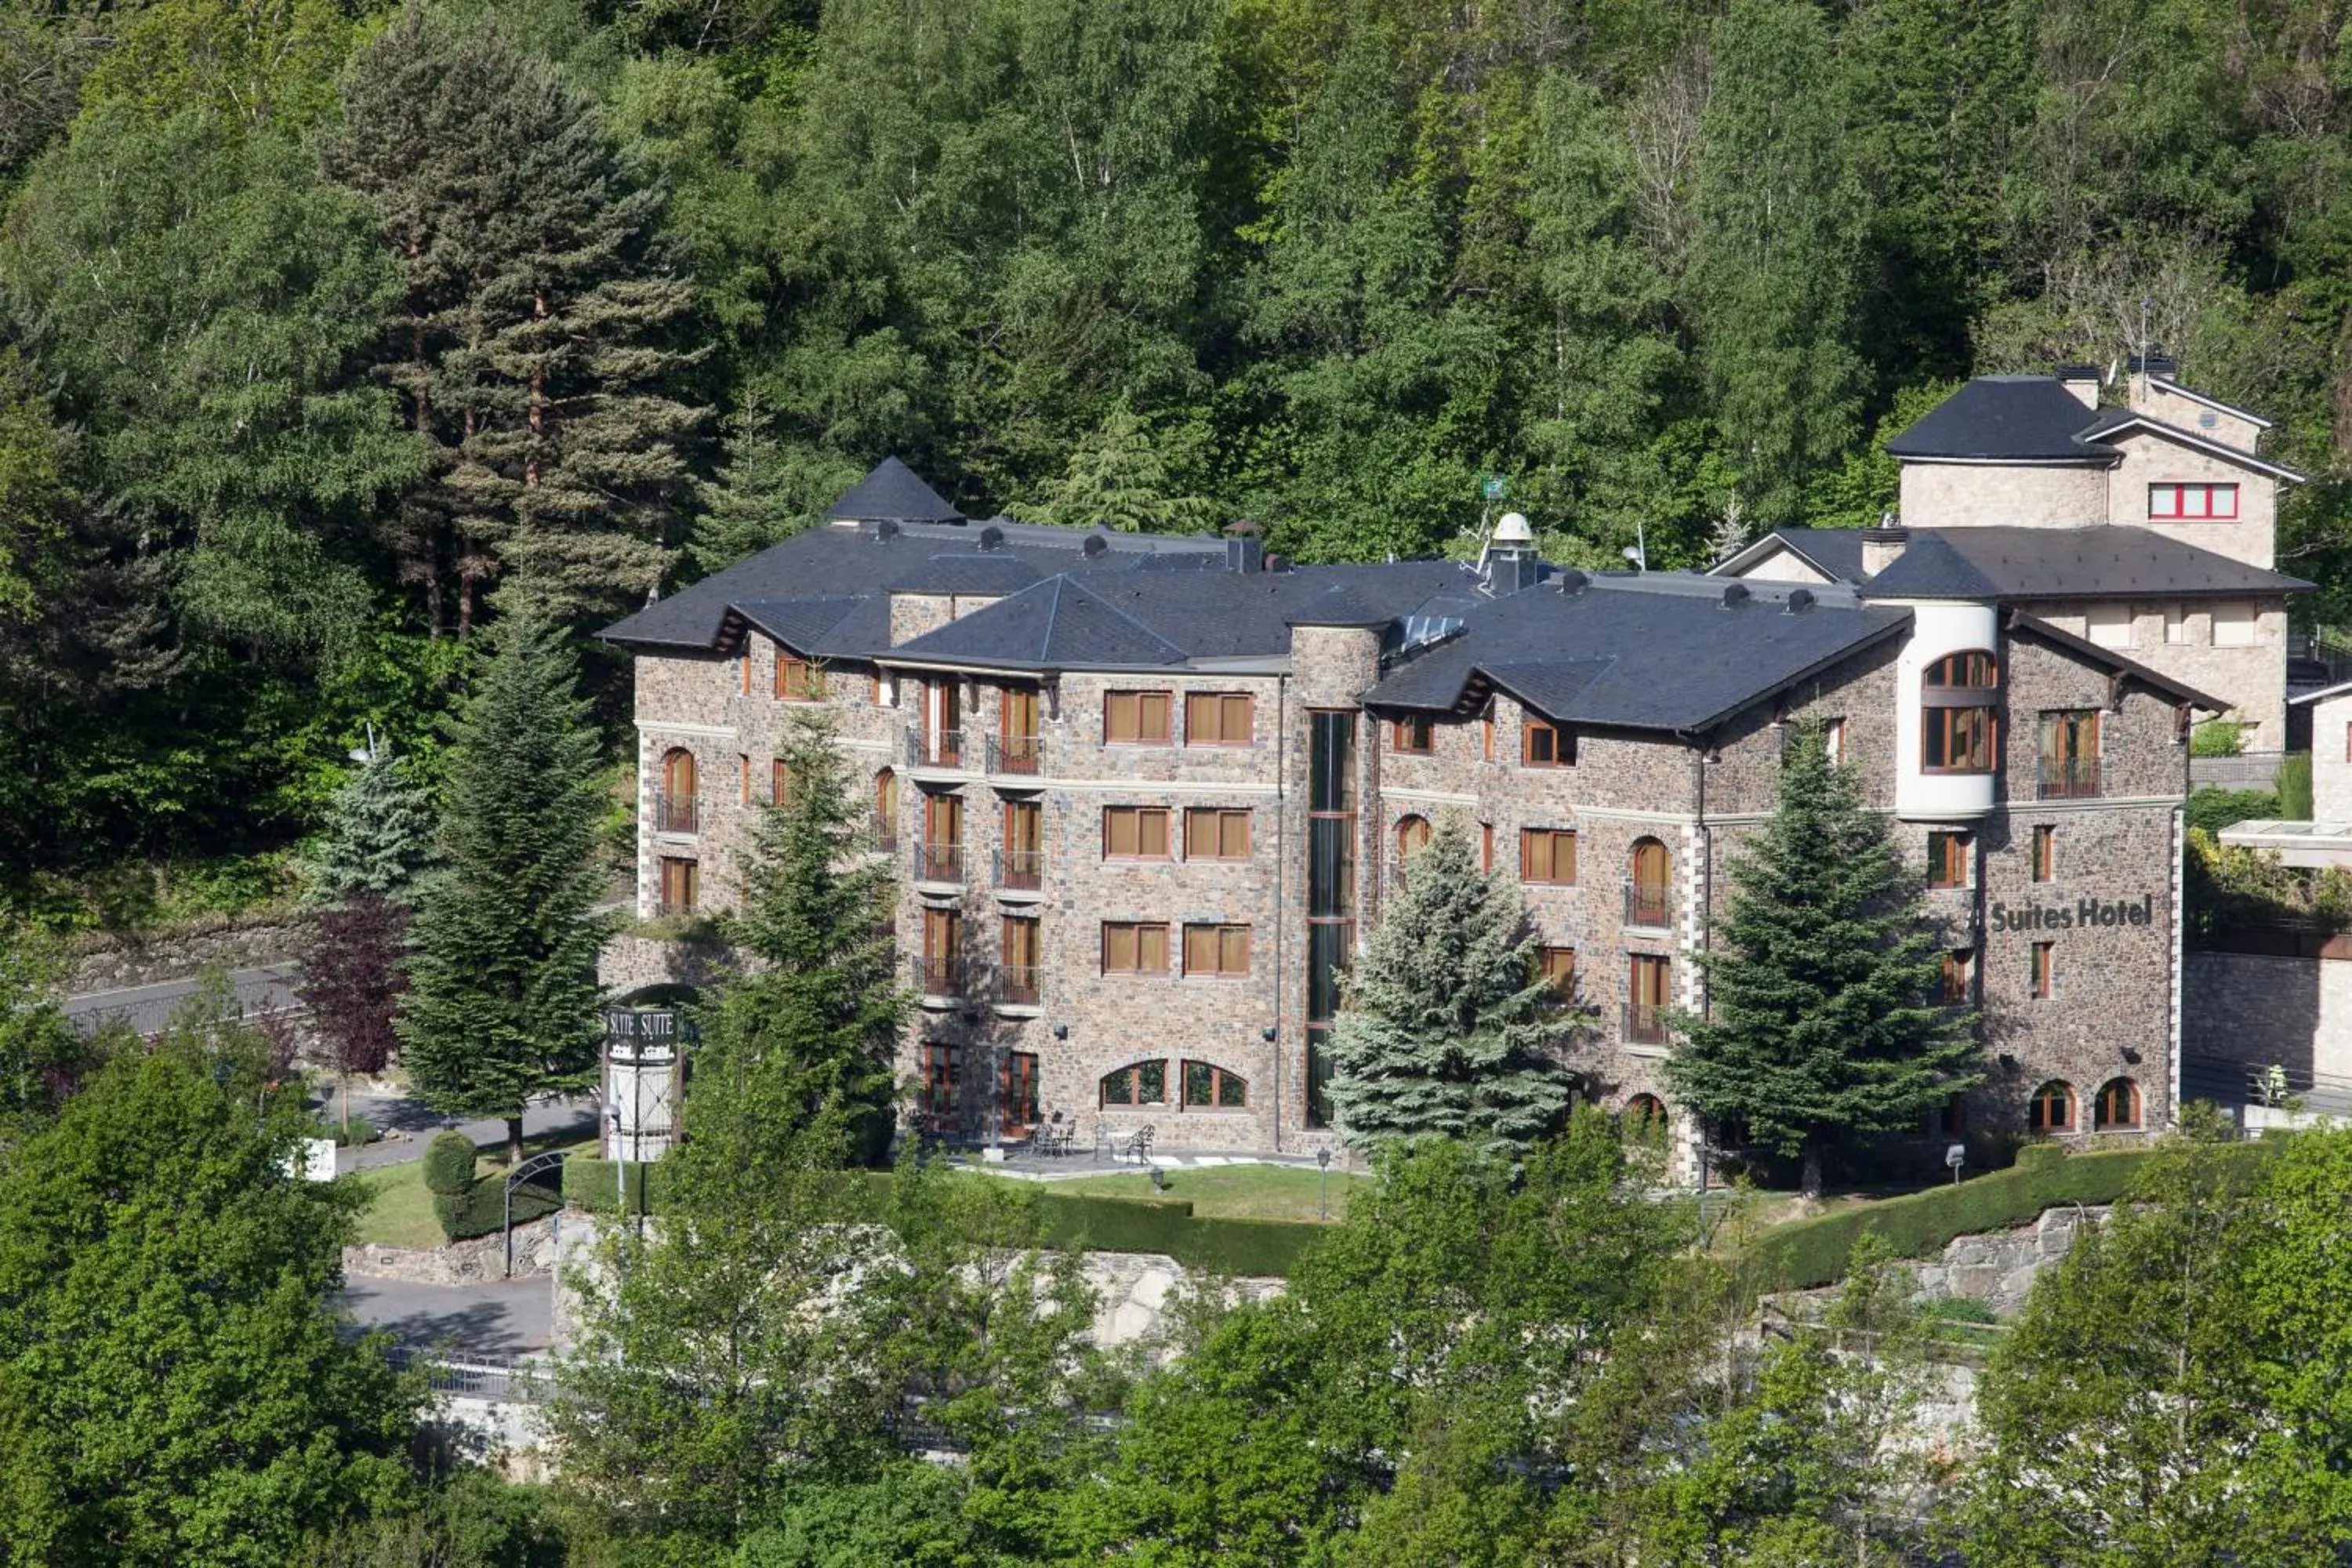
pixel 1447 1029
pixel 806 1035
pixel 502 998
pixel 1822 1021
pixel 1117 478
pixel 378 834
pixel 532 347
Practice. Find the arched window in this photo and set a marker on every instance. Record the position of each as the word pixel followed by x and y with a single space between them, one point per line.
pixel 2117 1107
pixel 1138 1083
pixel 1412 832
pixel 1957 696
pixel 886 809
pixel 1647 880
pixel 1208 1087
pixel 2054 1108
pixel 674 806
pixel 1645 1114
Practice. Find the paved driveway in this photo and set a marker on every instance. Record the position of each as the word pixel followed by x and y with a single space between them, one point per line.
pixel 572 1120
pixel 502 1318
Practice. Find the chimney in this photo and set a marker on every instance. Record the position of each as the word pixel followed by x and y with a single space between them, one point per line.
pixel 2083 381
pixel 1245 551
pixel 1881 548
pixel 2141 369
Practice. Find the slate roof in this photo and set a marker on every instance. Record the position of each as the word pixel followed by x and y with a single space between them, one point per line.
pixel 2015 418
pixel 2112 562
pixel 893 492
pixel 1654 651
pixel 1057 624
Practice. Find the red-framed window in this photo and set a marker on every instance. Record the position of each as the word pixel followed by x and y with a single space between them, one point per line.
pixel 2170 502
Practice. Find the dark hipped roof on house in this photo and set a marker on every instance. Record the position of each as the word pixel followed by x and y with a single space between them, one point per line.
pixel 893 492
pixel 1657 651
pixel 2111 562
pixel 1058 624
pixel 2015 418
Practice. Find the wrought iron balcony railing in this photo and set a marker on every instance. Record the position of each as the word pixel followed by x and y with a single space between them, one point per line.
pixel 2070 778
pixel 1645 1023
pixel 939 862
pixel 1647 905
pixel 1016 985
pixel 940 974
pixel 1020 871
pixel 1017 753
pixel 935 748
pixel 675 813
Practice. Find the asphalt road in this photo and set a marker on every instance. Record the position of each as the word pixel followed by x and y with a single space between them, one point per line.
pixel 420 1121
pixel 147 1008
pixel 504 1319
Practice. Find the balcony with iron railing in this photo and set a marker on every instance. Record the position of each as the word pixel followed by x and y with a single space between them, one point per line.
pixel 1020 870
pixel 1016 985
pixel 943 974
pixel 939 863
pixel 1018 756
pixel 2069 778
pixel 1648 905
pixel 934 748
pixel 1645 1024
pixel 886 833
pixel 676 813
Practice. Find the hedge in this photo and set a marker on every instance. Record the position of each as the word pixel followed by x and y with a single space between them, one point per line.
pixel 1099 1223
pixel 481 1209
pixel 449 1163
pixel 1810 1253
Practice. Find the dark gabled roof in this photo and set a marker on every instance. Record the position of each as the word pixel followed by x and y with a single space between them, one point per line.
pixel 893 492
pixel 801 625
pixel 2113 422
pixel 2115 561
pixel 1059 624
pixel 2107 658
pixel 1657 651
pixel 1834 552
pixel 2016 418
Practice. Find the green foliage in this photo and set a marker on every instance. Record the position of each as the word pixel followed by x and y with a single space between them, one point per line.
pixel 378 834
pixel 2226 887
pixel 1448 1029
pixel 806 1038
pixel 42 1055
pixel 2212 809
pixel 1117 478
pixel 2217 738
pixel 156 1225
pixel 502 996
pixel 484 1207
pixel 1823 1022
pixel 449 1164
pixel 2294 787
pixel 1810 1253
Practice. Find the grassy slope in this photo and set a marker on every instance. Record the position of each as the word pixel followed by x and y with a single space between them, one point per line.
pixel 401 1213
pixel 1228 1192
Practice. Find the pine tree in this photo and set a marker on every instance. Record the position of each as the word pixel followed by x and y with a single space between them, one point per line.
pixel 1447 1029
pixel 531 348
pixel 378 835
pixel 806 1035
pixel 1822 1020
pixel 502 998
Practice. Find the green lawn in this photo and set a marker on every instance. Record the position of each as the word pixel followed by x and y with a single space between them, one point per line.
pixel 401 1212
pixel 1230 1191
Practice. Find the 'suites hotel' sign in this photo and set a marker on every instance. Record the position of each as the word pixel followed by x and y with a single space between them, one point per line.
pixel 2086 913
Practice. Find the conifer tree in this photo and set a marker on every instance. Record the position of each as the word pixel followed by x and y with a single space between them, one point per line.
pixel 502 998
pixel 1117 478
pixel 531 348
pixel 1447 1029
pixel 1822 1021
pixel 378 834
pixel 806 1035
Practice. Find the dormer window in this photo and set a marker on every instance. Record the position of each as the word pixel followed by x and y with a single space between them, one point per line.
pixel 2192 503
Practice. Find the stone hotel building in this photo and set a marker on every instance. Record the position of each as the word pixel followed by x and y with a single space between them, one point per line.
pixel 1149 792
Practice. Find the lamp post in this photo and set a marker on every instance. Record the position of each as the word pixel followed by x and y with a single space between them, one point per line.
pixel 1322 1184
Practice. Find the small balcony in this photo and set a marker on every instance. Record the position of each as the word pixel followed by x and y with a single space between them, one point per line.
pixel 1648 905
pixel 1020 870
pixel 675 813
pixel 942 974
pixel 2070 778
pixel 1016 985
pixel 935 748
pixel 1018 756
pixel 886 834
pixel 1644 1024
pixel 939 863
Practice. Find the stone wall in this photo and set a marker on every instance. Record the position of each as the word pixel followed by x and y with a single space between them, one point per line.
pixel 1999 1269
pixel 2258 1009
pixel 537 1247
pixel 111 962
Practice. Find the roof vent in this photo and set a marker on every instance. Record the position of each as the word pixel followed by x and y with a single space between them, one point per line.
pixel 991 538
pixel 1096 544
pixel 1512 532
pixel 1799 601
pixel 1736 595
pixel 1570 581
pixel 885 529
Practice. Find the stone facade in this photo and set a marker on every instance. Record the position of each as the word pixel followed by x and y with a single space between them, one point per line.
pixel 990 1040
pixel 2260 1009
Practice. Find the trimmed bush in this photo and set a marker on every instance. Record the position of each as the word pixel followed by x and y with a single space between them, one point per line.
pixel 357 1133
pixel 588 1183
pixel 481 1209
pixel 449 1165
pixel 1812 1253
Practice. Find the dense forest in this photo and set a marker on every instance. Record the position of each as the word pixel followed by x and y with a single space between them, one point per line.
pixel 328 329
